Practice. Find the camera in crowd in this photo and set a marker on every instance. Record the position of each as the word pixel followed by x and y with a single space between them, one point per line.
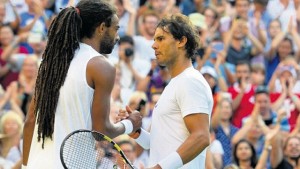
pixel 129 52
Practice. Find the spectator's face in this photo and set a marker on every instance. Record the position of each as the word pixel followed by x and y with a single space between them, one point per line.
pixel 225 110
pixel 2 11
pixel 210 80
pixel 257 77
pixel 120 8
pixel 209 17
pixel 292 148
pixel 238 33
pixel 242 71
pixel 129 151
pixel 38 48
pixel 111 36
pixel 285 76
pixel 159 5
pixel 263 101
pixel 11 127
pixel 122 47
pixel 255 131
pixel 242 8
pixel 6 35
pixel 274 28
pixel 150 24
pixel 44 3
pixel 284 49
pixel 259 7
pixel 30 67
pixel 243 151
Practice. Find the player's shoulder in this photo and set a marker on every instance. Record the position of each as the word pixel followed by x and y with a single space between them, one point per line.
pixel 100 69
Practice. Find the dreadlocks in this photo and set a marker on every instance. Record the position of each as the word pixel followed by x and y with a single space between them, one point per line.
pixel 65 33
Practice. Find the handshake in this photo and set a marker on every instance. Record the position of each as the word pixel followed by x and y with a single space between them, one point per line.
pixel 128 117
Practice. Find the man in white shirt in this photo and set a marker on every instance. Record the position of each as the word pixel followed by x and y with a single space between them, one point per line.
pixel 179 131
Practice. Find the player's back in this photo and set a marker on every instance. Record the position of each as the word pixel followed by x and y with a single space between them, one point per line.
pixel 73 111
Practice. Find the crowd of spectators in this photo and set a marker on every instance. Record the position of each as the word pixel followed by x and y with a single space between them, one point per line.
pixel 249 55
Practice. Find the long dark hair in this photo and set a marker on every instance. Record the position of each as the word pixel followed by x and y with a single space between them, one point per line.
pixel 253 158
pixel 65 33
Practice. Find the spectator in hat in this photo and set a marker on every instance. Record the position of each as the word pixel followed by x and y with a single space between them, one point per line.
pixel 214 80
pixel 288 94
pixel 284 75
pixel 198 20
pixel 214 56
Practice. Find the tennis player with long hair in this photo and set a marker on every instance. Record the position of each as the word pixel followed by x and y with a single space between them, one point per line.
pixel 74 83
pixel 179 131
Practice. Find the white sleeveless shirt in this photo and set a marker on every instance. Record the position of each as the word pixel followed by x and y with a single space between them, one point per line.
pixel 73 112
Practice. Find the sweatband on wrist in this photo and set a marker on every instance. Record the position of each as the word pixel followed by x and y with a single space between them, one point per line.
pixel 23 167
pixel 128 126
pixel 172 161
pixel 144 139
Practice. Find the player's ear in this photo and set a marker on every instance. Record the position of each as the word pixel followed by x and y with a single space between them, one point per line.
pixel 100 29
pixel 182 42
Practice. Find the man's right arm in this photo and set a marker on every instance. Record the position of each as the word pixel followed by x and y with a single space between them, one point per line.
pixel 101 77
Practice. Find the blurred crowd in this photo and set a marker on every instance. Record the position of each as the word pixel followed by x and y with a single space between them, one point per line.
pixel 249 55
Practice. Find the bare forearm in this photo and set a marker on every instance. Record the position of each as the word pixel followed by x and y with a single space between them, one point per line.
pixel 237 100
pixel 279 102
pixel 218 161
pixel 262 36
pixel 296 101
pixel 262 162
pixel 29 26
pixel 257 44
pixel 276 154
pixel 131 25
pixel 111 130
pixel 222 84
pixel 136 75
pixel 241 133
pixel 28 134
pixel 274 45
pixel 193 146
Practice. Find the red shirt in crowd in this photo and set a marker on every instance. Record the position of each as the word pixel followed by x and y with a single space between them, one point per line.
pixel 11 75
pixel 246 106
pixel 293 110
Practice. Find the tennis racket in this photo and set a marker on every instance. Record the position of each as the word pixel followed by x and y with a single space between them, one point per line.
pixel 85 149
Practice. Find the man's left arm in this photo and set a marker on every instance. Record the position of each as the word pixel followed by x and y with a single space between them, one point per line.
pixel 198 140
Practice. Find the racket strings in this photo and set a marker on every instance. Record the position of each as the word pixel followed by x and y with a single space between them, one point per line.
pixel 84 150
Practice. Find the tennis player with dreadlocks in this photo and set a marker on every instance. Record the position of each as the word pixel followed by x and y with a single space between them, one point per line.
pixel 74 83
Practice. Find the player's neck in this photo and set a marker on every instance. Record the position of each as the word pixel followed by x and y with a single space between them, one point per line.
pixel 92 42
pixel 179 66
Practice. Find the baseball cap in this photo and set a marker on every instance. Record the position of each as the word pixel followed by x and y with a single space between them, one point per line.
pixel 209 70
pixel 290 69
pixel 198 20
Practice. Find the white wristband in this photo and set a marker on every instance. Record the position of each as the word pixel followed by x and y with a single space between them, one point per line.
pixel 128 126
pixel 144 139
pixel 23 167
pixel 172 161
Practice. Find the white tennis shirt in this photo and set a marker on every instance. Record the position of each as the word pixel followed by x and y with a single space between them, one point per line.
pixel 187 93
pixel 73 112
